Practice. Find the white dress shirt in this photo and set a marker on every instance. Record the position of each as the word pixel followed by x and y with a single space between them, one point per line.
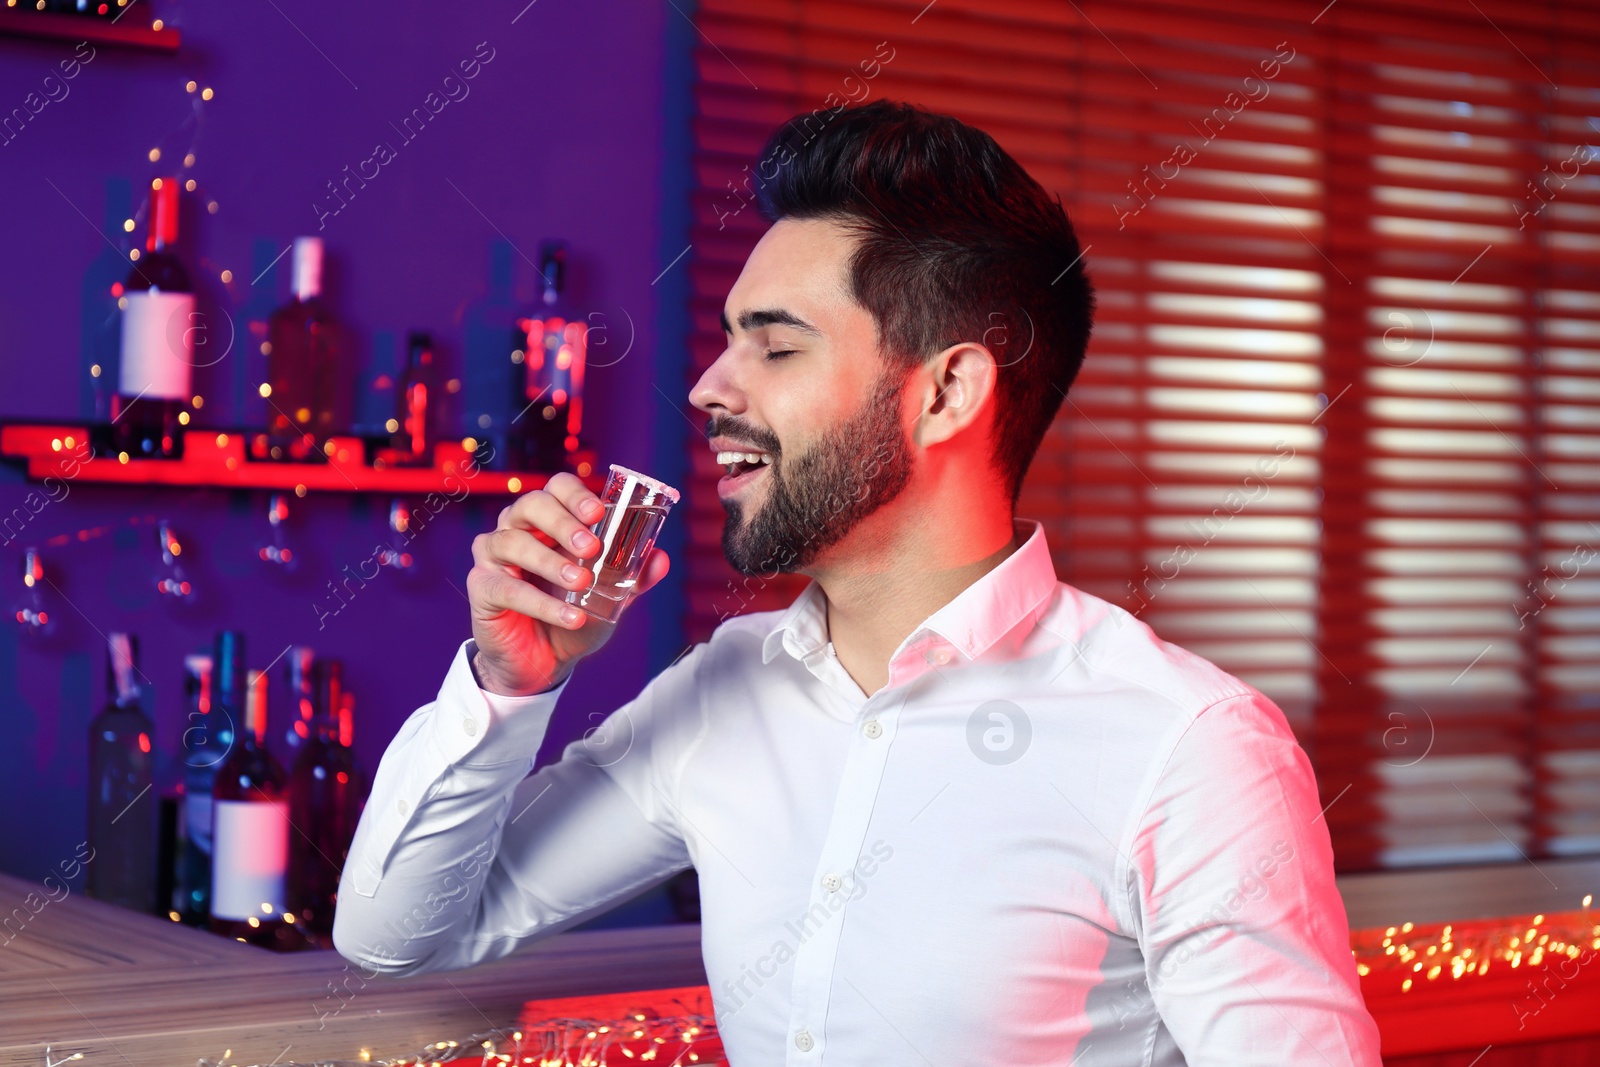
pixel 1051 838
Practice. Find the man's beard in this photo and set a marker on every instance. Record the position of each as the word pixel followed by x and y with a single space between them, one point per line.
pixel 816 500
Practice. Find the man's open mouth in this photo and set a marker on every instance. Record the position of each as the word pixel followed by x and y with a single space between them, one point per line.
pixel 737 463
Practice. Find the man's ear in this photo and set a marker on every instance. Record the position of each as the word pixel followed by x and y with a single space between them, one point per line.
pixel 956 386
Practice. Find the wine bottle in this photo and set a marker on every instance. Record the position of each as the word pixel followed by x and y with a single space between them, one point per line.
pixel 302 698
pixel 122 807
pixel 549 348
pixel 207 737
pixel 250 830
pixel 156 371
pixel 324 807
pixel 360 785
pixel 304 364
pixel 411 431
pixel 347 742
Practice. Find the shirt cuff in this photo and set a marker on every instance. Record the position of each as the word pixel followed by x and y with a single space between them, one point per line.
pixel 476 728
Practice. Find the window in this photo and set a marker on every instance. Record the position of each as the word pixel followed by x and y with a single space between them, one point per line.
pixel 1339 426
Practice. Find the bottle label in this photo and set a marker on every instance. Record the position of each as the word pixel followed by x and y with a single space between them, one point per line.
pixel 157 346
pixel 250 862
pixel 197 820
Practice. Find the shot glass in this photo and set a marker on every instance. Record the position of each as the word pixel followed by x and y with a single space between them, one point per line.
pixel 636 505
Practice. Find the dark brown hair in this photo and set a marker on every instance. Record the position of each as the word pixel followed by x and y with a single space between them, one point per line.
pixel 957 243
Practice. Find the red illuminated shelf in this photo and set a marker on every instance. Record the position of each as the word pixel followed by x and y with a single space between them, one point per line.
pixel 53 26
pixel 217 458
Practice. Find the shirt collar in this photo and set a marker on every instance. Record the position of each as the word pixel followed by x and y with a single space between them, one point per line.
pixel 979 615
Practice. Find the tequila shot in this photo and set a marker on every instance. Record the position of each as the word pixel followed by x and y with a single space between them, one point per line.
pixel 636 505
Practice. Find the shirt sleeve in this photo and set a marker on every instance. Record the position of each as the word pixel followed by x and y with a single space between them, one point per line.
pixel 1246 944
pixel 461 856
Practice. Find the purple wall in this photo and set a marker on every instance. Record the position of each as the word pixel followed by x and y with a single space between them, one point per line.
pixel 562 133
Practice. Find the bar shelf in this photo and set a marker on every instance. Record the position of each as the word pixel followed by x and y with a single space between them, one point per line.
pixel 217 458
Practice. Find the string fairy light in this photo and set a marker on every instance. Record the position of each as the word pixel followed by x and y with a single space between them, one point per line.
pixel 1412 956
pixel 669 1040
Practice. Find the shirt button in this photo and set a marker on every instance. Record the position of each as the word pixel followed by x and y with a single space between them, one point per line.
pixel 803 1042
pixel 402 806
pixel 873 729
pixel 831 882
pixel 470 725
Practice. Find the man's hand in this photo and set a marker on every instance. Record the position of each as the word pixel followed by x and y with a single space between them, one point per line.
pixel 529 640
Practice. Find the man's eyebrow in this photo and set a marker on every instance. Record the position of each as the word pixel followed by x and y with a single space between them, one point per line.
pixel 754 320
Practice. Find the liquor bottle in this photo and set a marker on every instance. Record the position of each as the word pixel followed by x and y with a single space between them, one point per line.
pixel 324 807
pixel 486 323
pixel 121 806
pixel 411 431
pixel 549 348
pixel 207 737
pixel 302 698
pixel 375 403
pixel 347 741
pixel 360 784
pixel 157 360
pixel 250 830
pixel 303 389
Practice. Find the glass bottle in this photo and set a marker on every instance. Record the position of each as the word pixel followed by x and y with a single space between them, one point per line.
pixel 548 355
pixel 156 368
pixel 304 365
pixel 411 431
pixel 122 808
pixel 324 807
pixel 298 673
pixel 250 830
pixel 206 740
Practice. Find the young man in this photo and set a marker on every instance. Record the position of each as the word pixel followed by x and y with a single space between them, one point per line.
pixel 944 809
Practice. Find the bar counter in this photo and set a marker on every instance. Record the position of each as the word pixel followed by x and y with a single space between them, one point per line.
pixel 133 990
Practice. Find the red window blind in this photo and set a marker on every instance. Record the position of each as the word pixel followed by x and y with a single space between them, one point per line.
pixel 1339 426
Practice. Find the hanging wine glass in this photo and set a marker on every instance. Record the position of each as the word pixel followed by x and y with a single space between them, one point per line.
pixel 171 581
pixel 278 551
pixel 398 552
pixel 30 612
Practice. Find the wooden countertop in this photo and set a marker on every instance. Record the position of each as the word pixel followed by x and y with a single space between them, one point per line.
pixel 131 990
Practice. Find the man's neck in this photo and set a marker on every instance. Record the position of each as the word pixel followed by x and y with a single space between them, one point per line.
pixel 873 606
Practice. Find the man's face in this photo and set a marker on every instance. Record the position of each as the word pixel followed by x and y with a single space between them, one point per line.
pixel 826 407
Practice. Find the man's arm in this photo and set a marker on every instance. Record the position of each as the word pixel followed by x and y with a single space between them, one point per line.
pixel 1247 949
pixel 460 857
